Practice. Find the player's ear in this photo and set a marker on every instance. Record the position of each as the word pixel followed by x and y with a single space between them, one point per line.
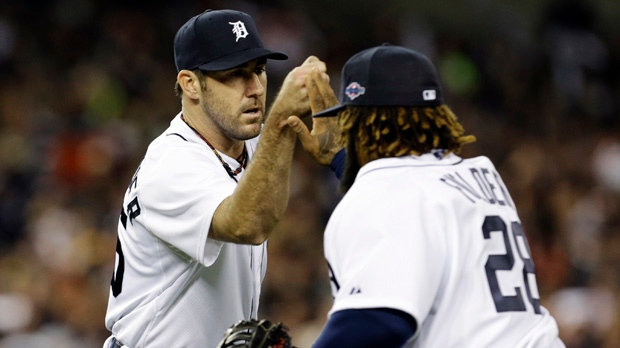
pixel 189 83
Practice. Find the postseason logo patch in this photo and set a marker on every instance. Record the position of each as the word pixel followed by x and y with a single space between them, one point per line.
pixel 354 90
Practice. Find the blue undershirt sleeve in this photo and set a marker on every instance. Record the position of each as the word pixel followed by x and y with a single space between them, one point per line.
pixel 367 328
pixel 337 163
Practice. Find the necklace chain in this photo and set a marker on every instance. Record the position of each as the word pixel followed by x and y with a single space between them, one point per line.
pixel 242 161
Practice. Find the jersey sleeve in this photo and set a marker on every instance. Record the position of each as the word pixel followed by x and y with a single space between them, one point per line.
pixel 179 196
pixel 382 255
pixel 375 327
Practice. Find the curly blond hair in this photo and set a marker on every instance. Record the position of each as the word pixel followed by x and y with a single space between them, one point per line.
pixel 398 131
pixel 370 133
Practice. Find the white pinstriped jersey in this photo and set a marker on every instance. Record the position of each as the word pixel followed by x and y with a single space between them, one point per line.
pixel 440 239
pixel 173 286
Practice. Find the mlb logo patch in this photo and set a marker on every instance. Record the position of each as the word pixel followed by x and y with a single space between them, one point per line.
pixel 429 94
pixel 354 90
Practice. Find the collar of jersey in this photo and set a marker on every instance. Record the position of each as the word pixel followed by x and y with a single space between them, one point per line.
pixel 424 160
pixel 178 126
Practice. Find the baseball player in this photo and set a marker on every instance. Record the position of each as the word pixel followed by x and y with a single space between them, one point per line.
pixel 191 251
pixel 426 248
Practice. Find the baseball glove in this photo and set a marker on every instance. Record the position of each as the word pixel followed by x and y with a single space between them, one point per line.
pixel 256 334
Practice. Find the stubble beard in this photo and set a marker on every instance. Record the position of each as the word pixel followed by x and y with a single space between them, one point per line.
pixel 230 124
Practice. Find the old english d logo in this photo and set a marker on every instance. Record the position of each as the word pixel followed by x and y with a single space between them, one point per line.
pixel 354 90
pixel 239 30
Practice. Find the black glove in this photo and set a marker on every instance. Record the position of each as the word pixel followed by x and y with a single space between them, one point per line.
pixel 256 334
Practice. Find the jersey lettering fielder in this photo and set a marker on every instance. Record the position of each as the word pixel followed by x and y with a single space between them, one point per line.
pixel 463 266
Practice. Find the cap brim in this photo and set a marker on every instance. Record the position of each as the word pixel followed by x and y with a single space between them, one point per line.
pixel 241 57
pixel 333 111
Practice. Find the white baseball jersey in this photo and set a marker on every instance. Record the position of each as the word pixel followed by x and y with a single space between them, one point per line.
pixel 173 286
pixel 440 239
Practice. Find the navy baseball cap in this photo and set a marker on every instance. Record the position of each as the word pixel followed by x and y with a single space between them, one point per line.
pixel 387 75
pixel 219 40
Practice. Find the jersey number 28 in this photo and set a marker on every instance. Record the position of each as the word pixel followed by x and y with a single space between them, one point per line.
pixel 505 262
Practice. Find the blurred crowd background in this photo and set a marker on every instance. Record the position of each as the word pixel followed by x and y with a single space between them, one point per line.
pixel 85 85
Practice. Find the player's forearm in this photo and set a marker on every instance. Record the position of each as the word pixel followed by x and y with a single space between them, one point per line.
pixel 261 197
pixel 266 190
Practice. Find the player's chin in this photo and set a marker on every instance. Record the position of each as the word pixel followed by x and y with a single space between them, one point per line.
pixel 251 130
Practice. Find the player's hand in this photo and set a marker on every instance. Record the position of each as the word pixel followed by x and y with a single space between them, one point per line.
pixel 320 143
pixel 293 96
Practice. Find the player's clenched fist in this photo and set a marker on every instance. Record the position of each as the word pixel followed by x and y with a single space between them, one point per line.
pixel 293 96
